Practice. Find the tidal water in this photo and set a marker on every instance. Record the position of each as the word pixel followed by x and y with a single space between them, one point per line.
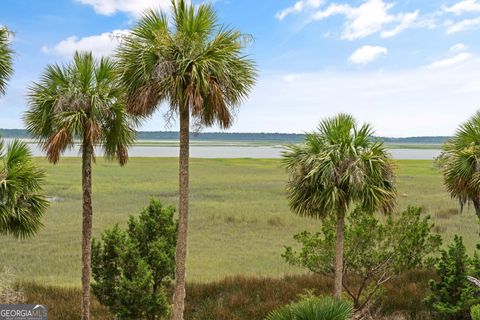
pixel 257 152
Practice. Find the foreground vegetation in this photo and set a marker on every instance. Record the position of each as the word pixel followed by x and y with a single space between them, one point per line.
pixel 240 218
pixel 227 299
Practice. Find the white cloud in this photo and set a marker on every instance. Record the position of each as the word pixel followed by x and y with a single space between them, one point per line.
pixel 368 18
pixel 132 7
pixel 292 77
pixel 459 47
pixel 100 45
pixel 457 54
pixel 367 54
pixel 463 25
pixel 462 7
pixel 298 7
pixel 420 101
pixel 449 62
pixel 406 21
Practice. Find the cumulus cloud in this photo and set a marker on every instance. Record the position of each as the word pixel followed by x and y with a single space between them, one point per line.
pixel 100 45
pixel 131 7
pixel 463 25
pixel 462 7
pixel 367 54
pixel 368 18
pixel 298 7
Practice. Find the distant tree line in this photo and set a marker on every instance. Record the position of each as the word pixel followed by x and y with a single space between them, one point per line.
pixel 235 136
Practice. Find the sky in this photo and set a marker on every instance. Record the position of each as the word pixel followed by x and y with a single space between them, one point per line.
pixel 408 67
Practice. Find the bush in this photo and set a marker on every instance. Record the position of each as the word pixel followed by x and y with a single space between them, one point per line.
pixel 226 299
pixel 10 293
pixel 453 295
pixel 314 308
pixel 475 312
pixel 132 269
pixel 375 253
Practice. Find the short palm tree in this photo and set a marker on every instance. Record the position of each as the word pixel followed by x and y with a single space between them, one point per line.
pixel 197 67
pixel 81 100
pixel 22 203
pixel 460 164
pixel 321 308
pixel 339 165
pixel 6 57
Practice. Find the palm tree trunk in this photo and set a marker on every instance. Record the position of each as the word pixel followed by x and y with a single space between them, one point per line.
pixel 87 154
pixel 181 254
pixel 476 204
pixel 339 253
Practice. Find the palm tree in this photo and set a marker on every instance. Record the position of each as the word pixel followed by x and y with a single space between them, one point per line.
pixel 6 57
pixel 196 66
pixel 338 166
pixel 460 164
pixel 81 100
pixel 22 203
pixel 314 308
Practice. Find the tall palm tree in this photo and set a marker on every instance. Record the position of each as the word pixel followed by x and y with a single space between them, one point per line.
pixel 22 203
pixel 460 164
pixel 338 166
pixel 81 101
pixel 6 57
pixel 197 67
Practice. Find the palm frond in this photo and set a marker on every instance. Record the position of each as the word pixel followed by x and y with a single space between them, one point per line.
pixel 6 59
pixel 82 100
pixel 22 203
pixel 196 64
pixel 313 308
pixel 461 162
pixel 338 165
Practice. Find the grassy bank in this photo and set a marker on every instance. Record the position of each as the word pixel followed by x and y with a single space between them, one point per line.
pixel 239 220
pixel 242 298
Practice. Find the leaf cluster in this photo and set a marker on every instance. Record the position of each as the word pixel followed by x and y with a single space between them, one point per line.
pixel 187 60
pixel 22 202
pixel 132 269
pixel 314 308
pixel 375 252
pixel 340 164
pixel 452 294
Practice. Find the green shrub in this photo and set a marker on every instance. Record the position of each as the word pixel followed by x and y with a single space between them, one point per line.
pixel 453 295
pixel 475 312
pixel 314 308
pixel 375 253
pixel 132 268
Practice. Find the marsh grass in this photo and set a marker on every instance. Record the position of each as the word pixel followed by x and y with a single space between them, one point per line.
pixel 239 222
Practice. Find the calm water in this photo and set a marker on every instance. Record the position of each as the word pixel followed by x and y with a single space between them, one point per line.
pixel 235 152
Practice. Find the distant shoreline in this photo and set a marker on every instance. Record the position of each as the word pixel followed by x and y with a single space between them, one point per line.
pixel 144 137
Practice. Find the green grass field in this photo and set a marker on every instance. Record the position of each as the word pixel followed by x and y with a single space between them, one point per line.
pixel 239 220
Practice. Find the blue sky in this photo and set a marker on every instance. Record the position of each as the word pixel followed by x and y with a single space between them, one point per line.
pixel 408 67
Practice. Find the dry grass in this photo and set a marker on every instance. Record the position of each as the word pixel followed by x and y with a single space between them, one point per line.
pixel 247 298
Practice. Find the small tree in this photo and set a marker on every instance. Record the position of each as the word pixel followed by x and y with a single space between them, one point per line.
pixel 339 166
pixel 132 268
pixel 453 295
pixel 374 252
